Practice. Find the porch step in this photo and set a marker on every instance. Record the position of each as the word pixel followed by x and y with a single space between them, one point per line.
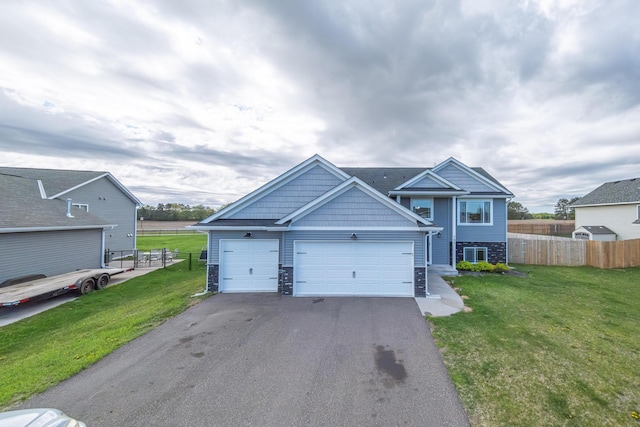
pixel 442 270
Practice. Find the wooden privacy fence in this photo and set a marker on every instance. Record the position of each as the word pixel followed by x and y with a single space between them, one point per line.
pixel 549 250
pixel 548 228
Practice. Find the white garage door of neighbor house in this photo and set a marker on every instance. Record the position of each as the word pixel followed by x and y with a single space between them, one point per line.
pixel 353 268
pixel 248 265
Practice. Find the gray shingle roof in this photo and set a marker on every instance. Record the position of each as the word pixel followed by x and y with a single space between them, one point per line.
pixel 22 207
pixel 597 229
pixel 625 191
pixel 386 179
pixel 54 180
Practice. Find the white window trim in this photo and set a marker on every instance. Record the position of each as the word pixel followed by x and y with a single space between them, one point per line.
pixel 475 253
pixel 84 206
pixel 475 224
pixel 430 218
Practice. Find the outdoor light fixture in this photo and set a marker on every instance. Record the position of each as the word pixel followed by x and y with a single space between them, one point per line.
pixel 354 236
pixel 249 234
pixel 439 234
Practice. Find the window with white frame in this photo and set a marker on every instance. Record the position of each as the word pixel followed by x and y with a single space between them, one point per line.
pixel 83 206
pixel 475 212
pixel 422 207
pixel 475 255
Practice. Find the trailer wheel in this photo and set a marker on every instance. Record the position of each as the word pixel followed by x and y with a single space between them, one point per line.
pixel 87 286
pixel 102 282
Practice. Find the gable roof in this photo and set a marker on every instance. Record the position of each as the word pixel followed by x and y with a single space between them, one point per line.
pixel 611 193
pixel 274 184
pixel 355 182
pixel 56 183
pixel 596 229
pixel 23 209
pixel 390 181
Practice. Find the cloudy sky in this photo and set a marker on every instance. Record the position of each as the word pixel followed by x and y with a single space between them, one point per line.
pixel 200 102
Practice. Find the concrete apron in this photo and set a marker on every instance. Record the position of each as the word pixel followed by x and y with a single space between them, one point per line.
pixel 442 299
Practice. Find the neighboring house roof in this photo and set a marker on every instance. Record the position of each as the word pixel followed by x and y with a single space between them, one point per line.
pixel 23 209
pixel 596 229
pixel 56 183
pixel 610 193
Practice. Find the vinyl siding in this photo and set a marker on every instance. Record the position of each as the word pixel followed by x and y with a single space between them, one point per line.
pixel 463 179
pixel 106 201
pixel 487 233
pixel 216 236
pixel 50 253
pixel 290 196
pixel 417 237
pixel 617 218
pixel 357 209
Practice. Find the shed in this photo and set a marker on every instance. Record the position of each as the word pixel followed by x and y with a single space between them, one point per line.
pixel 594 232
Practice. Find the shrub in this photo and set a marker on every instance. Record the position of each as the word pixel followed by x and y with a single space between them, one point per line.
pixel 501 268
pixel 464 265
pixel 485 266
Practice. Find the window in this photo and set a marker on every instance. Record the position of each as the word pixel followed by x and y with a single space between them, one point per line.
pixel 475 212
pixel 422 207
pixel 475 255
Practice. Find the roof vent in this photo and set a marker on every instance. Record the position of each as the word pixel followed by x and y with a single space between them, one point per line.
pixel 69 209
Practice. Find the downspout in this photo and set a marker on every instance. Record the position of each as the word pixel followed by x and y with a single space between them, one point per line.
pixel 102 248
pixel 454 231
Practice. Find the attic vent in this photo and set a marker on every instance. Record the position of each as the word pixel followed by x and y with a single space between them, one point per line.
pixel 69 209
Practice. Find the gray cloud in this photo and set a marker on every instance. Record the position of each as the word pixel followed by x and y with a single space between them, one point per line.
pixel 225 96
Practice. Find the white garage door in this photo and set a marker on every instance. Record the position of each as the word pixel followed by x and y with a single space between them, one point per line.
pixel 248 265
pixel 353 268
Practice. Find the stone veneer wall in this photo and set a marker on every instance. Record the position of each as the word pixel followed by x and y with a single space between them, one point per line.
pixel 497 251
pixel 285 280
pixel 420 282
pixel 212 279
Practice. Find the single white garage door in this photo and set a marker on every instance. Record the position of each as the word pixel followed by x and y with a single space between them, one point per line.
pixel 248 265
pixel 353 268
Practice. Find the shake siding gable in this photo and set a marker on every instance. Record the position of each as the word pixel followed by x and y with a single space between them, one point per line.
pixel 354 209
pixel 463 179
pixel 426 182
pixel 291 196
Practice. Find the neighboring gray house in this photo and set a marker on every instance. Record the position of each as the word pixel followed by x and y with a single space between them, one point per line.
pixel 614 205
pixel 322 230
pixel 41 231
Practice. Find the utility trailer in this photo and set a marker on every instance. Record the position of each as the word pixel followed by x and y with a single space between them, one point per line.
pixel 80 281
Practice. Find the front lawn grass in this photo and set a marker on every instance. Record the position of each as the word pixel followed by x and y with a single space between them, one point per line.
pixel 40 351
pixel 557 348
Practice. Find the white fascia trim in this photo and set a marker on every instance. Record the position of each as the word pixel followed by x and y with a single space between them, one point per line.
pixel 342 188
pixel 467 169
pixel 110 178
pixel 276 183
pixel 54 228
pixel 433 175
pixel 427 193
pixel 606 204
pixel 235 227
pixel 364 228
pixel 43 193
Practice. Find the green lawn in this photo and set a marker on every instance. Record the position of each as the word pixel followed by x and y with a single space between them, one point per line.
pixel 559 347
pixel 39 352
pixel 183 242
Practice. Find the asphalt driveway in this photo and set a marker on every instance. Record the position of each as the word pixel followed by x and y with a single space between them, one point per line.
pixel 268 360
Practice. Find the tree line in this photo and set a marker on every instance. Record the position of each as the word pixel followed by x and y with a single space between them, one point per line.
pixel 561 210
pixel 174 212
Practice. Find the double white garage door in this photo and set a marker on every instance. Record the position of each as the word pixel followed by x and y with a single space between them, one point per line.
pixel 320 268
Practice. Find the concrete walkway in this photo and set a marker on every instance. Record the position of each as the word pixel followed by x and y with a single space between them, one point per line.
pixel 442 301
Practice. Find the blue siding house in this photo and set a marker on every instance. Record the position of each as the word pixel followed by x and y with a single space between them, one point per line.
pixel 321 230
